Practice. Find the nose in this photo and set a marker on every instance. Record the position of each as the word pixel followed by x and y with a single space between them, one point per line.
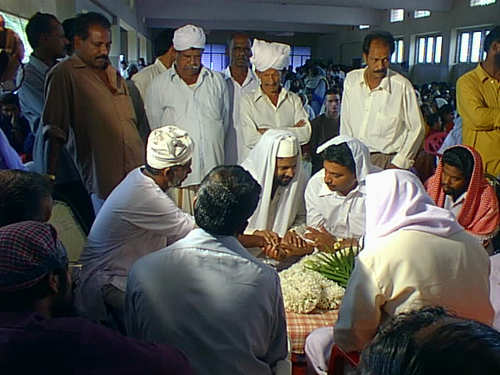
pixel 290 172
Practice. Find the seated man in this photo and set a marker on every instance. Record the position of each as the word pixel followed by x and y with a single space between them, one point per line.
pixel 206 294
pixel 335 196
pixel 415 254
pixel 275 163
pixel 459 186
pixel 24 196
pixel 39 331
pixel 136 219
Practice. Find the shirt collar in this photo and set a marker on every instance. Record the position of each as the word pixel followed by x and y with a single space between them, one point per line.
pixel 173 73
pixel 260 94
pixel 250 76
pixel 385 84
pixel 38 64
pixel 482 74
pixel 160 65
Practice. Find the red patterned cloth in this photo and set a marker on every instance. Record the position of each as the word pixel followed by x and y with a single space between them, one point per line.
pixel 479 214
pixel 300 325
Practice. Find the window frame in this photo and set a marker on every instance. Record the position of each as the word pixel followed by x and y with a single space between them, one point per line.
pixel 425 52
pixel 398 57
pixel 392 13
pixel 481 3
pixel 417 15
pixel 471 31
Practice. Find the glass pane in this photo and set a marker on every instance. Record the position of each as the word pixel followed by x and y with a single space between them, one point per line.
pixel 421 50
pixel 464 47
pixel 475 51
pixel 475 3
pixel 19 26
pixel 400 51
pixel 429 53
pixel 439 46
pixel 421 13
pixel 397 15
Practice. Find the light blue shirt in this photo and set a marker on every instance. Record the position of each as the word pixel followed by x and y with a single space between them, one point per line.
pixel 211 299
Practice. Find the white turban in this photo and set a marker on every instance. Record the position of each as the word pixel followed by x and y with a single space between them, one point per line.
pixel 168 146
pixel 189 36
pixel 440 102
pixel 270 55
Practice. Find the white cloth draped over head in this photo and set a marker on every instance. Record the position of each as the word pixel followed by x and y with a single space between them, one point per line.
pixel 168 146
pixel 261 162
pixel 397 200
pixel 267 55
pixel 360 154
pixel 189 36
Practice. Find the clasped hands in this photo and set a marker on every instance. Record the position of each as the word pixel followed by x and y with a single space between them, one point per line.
pixel 280 248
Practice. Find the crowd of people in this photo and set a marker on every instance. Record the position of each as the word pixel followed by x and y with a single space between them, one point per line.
pixel 198 186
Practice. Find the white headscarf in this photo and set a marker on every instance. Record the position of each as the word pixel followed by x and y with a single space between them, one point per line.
pixel 168 146
pixel 189 36
pixel 397 200
pixel 267 55
pixel 261 162
pixel 360 154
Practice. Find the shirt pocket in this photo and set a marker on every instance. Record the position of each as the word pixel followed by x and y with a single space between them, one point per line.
pixel 385 127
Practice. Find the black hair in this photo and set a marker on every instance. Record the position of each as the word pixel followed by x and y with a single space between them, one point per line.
pixel 85 20
pixel 384 36
pixel 69 27
pixel 231 37
pixel 431 119
pixel 37 25
pixel 493 36
pixel 460 158
pixel 163 42
pixel 9 98
pixel 446 108
pixel 340 154
pixel 228 196
pixel 21 195
pixel 333 91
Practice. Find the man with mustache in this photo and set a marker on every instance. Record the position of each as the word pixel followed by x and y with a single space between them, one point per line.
pixel 271 106
pixel 380 108
pixel 195 99
pixel 89 111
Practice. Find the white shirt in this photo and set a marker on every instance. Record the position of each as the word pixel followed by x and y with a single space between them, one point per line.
pixel 145 76
pixel 202 110
pixel 234 145
pixel 386 119
pixel 342 216
pixel 214 301
pixel 136 219
pixel 456 206
pixel 258 112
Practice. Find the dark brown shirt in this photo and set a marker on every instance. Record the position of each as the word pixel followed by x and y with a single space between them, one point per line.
pixel 323 129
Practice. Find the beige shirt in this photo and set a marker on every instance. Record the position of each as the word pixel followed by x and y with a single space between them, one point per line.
pixel 409 269
pixel 97 125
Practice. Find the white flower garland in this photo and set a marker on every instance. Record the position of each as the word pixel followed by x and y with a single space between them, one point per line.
pixel 304 290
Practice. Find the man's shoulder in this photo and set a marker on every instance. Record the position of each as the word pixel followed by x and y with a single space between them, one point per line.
pixel 473 76
pixel 400 79
pixel 316 181
pixel 355 75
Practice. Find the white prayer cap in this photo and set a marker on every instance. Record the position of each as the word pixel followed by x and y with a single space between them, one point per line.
pixel 267 55
pixel 440 102
pixel 288 147
pixel 168 146
pixel 189 36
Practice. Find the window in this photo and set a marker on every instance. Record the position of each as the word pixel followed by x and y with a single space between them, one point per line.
pixel 478 3
pixel 398 55
pixel 214 57
pixel 18 24
pixel 299 56
pixel 469 45
pixel 397 15
pixel 361 27
pixel 429 49
pixel 421 13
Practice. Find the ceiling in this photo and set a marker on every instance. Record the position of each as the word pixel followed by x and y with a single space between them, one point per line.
pixel 315 16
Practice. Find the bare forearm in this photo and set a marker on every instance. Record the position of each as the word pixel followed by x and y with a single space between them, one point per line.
pixel 53 153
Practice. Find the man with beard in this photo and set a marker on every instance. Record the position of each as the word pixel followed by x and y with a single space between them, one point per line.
pixel 380 108
pixel 478 102
pixel 138 218
pixel 39 331
pixel 240 80
pixel 195 99
pixel 88 110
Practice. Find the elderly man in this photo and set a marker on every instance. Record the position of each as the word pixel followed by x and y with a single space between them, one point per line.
pixel 240 80
pixel 196 100
pixel 206 294
pixel 380 108
pixel 335 196
pixel 137 218
pixel 478 102
pixel 459 186
pixel 272 106
pixel 415 254
pixel 325 127
pixel 37 315
pixel 88 109
pixel 275 164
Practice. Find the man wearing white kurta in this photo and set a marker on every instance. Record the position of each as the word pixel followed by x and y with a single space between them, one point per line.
pixel 136 219
pixel 196 100
pixel 416 254
pixel 335 196
pixel 271 106
pixel 380 108
pixel 240 80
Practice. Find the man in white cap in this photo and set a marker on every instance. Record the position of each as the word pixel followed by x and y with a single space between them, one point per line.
pixel 137 218
pixel 272 106
pixel 195 99
pixel 275 163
